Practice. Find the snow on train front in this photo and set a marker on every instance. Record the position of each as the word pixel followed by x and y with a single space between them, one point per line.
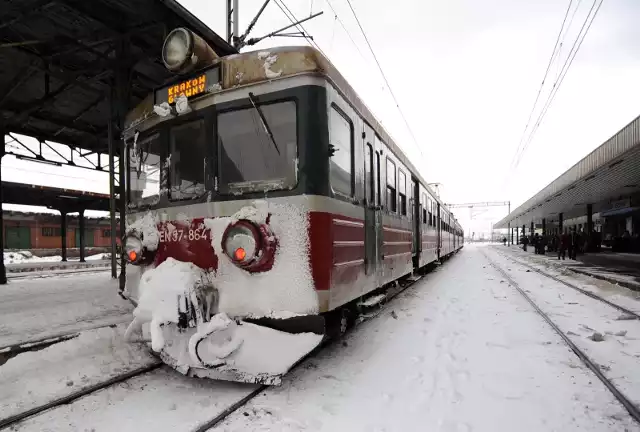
pixel 228 297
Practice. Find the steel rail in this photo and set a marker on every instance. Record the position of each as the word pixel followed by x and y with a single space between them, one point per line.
pixel 631 408
pixel 12 420
pixel 575 287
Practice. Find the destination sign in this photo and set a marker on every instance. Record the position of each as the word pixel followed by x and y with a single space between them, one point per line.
pixel 194 86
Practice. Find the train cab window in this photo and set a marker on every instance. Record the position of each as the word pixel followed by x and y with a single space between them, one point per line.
pixel 187 156
pixel 391 186
pixel 143 180
pixel 341 162
pixel 402 192
pixel 368 171
pixel 249 158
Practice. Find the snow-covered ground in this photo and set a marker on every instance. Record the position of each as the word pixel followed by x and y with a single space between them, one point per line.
pixel 21 257
pixel 459 351
pixel 162 400
pixel 580 317
pixel 38 308
pixel 34 378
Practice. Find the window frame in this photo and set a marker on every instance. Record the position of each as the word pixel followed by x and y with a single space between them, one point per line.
pixel 201 117
pixel 402 205
pixel 370 183
pixel 393 187
pixel 344 115
pixel 215 164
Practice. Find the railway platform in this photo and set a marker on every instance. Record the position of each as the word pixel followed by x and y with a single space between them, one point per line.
pixel 615 267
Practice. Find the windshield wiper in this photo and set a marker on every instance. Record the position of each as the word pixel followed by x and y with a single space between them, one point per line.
pixel 264 121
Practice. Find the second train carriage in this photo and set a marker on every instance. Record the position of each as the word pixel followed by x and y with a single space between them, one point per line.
pixel 265 201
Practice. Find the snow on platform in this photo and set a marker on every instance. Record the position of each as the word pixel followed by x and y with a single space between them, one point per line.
pixel 579 316
pixel 38 308
pixel 618 268
pixel 609 291
pixel 162 400
pixel 462 351
pixel 33 378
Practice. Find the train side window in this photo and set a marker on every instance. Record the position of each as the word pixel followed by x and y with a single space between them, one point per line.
pixel 425 206
pixel 391 186
pixel 369 174
pixel 341 161
pixel 402 192
pixel 378 192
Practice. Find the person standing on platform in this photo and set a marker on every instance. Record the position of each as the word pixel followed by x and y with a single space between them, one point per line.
pixel 563 243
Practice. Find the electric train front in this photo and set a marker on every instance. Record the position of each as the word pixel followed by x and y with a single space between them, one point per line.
pixel 222 289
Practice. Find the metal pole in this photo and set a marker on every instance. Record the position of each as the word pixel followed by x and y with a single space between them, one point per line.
pixel 82 239
pixel 3 270
pixel 236 21
pixel 112 192
pixel 63 233
pixel 509 225
pixel 229 21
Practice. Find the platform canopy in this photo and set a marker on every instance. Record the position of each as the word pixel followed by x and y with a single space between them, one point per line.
pixel 609 173
pixel 68 200
pixel 59 60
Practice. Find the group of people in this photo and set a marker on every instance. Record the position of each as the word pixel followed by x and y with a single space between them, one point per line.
pixel 570 243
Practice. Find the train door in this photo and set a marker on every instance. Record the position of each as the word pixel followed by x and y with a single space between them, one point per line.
pixel 372 209
pixel 439 231
pixel 417 222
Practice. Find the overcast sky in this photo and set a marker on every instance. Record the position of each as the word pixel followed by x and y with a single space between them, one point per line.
pixel 465 73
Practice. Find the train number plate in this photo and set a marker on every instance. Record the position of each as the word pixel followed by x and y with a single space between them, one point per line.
pixel 180 234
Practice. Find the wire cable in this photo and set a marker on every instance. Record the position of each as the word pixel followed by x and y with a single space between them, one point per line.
pixel 544 78
pixel 345 30
pixel 386 80
pixel 300 27
pixel 565 68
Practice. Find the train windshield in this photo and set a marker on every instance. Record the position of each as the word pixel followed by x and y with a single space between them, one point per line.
pixel 258 148
pixel 187 160
pixel 144 170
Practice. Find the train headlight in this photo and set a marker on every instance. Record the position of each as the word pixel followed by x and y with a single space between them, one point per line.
pixel 184 51
pixel 133 249
pixel 240 242
pixel 177 49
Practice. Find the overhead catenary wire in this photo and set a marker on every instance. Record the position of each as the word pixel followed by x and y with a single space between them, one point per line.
pixel 544 78
pixel 337 17
pixel 565 68
pixel 291 17
pixel 384 77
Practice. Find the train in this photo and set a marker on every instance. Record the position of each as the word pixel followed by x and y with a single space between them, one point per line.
pixel 266 209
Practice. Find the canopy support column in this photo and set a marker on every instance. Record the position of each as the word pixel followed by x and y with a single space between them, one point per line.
pixel 590 245
pixel 3 270
pixel 560 223
pixel 63 234
pixel 82 233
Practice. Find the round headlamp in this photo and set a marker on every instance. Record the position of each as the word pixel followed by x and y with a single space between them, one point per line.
pixel 241 244
pixel 184 51
pixel 133 249
pixel 177 49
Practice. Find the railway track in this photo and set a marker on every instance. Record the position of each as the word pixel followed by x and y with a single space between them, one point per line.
pixel 391 293
pixel 13 420
pixel 54 273
pixel 594 296
pixel 631 408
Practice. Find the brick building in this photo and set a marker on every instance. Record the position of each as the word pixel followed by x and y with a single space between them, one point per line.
pixel 43 231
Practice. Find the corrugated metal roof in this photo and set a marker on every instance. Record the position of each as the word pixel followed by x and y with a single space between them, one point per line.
pixel 609 172
pixel 57 61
